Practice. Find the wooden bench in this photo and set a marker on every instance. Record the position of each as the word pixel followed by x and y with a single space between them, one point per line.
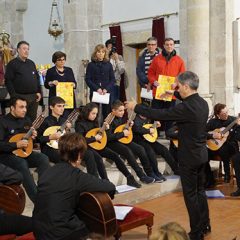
pixel 135 218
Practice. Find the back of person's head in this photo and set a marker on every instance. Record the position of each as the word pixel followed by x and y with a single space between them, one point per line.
pixel 84 113
pixel 218 108
pixel 58 55
pixel 189 78
pixel 170 231
pixel 56 100
pixel 14 100
pixel 71 145
pixel 116 104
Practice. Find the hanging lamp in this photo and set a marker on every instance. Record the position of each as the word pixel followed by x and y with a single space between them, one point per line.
pixel 55 27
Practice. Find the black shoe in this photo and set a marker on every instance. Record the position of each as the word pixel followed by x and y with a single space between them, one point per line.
pixel 207 229
pixel 147 179
pixel 236 194
pixel 227 178
pixel 132 182
pixel 158 179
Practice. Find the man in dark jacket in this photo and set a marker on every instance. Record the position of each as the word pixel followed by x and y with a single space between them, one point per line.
pixel 191 116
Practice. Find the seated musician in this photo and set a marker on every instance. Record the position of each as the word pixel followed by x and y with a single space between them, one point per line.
pixel 12 223
pixel 130 150
pixel 152 148
pixel 220 120
pixel 88 121
pixel 11 124
pixel 59 188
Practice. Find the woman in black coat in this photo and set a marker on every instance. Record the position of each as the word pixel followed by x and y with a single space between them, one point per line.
pixel 59 73
pixel 100 76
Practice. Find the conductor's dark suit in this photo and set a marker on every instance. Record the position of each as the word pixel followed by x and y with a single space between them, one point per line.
pixel 191 117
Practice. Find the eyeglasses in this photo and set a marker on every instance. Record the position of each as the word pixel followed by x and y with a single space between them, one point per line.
pixel 61 60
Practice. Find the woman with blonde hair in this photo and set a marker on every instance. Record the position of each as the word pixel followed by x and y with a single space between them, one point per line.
pixel 170 231
pixel 100 76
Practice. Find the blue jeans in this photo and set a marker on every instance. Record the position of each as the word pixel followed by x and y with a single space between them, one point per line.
pixel 34 160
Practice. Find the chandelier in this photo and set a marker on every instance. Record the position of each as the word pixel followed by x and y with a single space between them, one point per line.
pixel 55 27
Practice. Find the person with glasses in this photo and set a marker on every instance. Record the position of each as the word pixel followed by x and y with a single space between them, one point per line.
pixel 60 73
pixel 145 59
pixel 222 119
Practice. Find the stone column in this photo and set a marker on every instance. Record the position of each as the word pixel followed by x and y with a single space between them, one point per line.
pixel 221 54
pixel 82 20
pixel 11 20
pixel 194 40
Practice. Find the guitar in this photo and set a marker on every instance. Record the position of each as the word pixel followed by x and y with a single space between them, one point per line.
pixel 128 139
pixel 97 212
pixel 215 144
pixel 54 129
pixel 151 137
pixel 99 145
pixel 12 198
pixel 25 152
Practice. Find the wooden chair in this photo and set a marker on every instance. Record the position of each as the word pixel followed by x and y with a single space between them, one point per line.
pixel 135 218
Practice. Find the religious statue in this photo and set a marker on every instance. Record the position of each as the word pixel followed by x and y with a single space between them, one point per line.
pixel 7 52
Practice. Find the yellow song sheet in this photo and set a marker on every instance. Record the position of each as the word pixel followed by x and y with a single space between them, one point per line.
pixel 65 91
pixel 165 84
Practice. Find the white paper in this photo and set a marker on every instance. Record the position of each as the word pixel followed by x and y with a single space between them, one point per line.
pixel 214 194
pixel 99 98
pixel 146 94
pixel 124 188
pixel 122 211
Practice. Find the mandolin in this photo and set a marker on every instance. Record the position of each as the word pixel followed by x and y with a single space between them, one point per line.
pixel 215 144
pixel 151 137
pixel 97 212
pixel 62 129
pixel 128 139
pixel 12 198
pixel 25 152
pixel 101 144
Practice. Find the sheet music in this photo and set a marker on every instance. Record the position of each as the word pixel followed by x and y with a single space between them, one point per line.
pixel 122 211
pixel 146 94
pixel 124 188
pixel 99 98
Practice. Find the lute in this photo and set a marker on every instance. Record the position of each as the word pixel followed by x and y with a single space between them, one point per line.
pixel 62 129
pixel 25 152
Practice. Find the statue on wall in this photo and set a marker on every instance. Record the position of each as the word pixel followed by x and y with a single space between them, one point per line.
pixel 7 52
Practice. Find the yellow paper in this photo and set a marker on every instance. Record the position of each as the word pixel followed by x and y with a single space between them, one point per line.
pixel 165 84
pixel 65 91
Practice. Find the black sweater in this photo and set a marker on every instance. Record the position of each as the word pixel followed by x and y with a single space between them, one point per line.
pixel 22 77
pixel 10 126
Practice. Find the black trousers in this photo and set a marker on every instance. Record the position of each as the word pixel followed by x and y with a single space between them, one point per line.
pixel 192 179
pixel 34 160
pixel 225 152
pixel 157 148
pixel 15 224
pixel 32 105
pixel 94 162
pixel 108 153
pixel 160 104
pixel 53 154
pixel 129 151
pixel 236 165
